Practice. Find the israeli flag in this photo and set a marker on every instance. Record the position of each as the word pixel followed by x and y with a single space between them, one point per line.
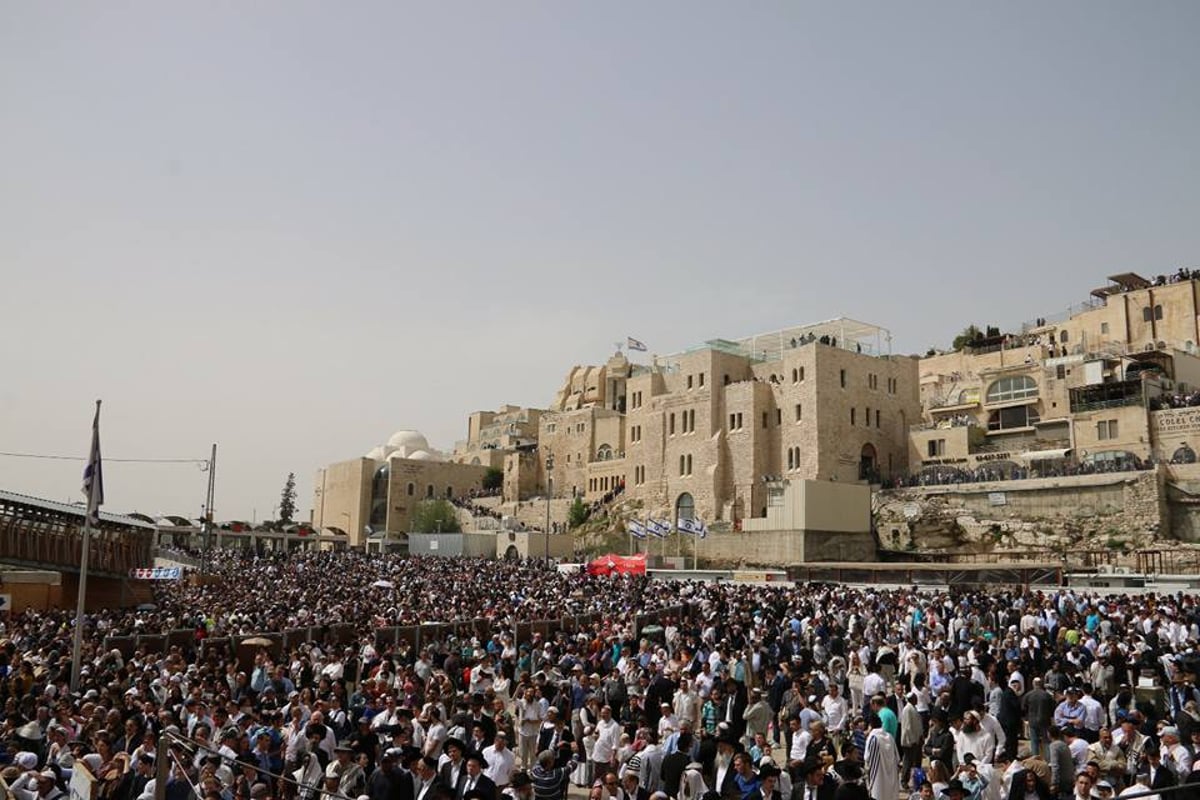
pixel 685 525
pixel 658 528
pixel 93 477
pixel 636 529
pixel 701 529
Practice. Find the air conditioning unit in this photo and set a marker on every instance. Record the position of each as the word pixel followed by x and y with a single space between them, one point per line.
pixel 1122 571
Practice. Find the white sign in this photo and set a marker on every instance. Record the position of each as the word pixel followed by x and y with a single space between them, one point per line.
pixel 433 544
pixel 82 783
pixel 998 498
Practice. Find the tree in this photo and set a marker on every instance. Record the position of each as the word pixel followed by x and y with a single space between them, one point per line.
pixel 435 516
pixel 969 334
pixel 287 500
pixel 577 514
pixel 493 479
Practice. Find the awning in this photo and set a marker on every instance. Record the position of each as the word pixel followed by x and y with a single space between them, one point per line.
pixel 1045 455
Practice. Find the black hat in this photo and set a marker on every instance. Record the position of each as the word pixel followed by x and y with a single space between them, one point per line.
pixel 811 764
pixel 768 771
pixel 954 786
pixel 849 771
pixel 477 757
pixel 454 741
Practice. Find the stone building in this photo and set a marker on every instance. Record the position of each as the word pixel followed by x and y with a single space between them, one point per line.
pixel 698 432
pixel 1076 390
pixel 378 492
pixel 492 435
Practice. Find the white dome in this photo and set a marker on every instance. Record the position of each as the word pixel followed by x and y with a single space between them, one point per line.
pixel 422 455
pixel 376 454
pixel 409 441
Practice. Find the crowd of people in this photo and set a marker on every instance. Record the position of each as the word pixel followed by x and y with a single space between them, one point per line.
pixel 1176 400
pixel 751 692
pixel 944 475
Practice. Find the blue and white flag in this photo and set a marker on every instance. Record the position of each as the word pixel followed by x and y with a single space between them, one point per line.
pixel 685 525
pixel 93 477
pixel 636 529
pixel 658 528
pixel 634 344
pixel 701 529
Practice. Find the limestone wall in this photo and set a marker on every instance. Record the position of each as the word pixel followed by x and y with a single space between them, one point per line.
pixel 1121 511
pixel 777 549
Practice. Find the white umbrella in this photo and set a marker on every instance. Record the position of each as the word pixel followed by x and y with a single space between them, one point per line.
pixel 382 584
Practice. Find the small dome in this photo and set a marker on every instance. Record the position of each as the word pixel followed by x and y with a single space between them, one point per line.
pixel 421 455
pixel 376 454
pixel 408 441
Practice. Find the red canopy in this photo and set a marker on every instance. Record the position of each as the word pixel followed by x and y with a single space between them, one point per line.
pixel 618 565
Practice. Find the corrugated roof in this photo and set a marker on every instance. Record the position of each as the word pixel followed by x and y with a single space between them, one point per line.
pixel 70 509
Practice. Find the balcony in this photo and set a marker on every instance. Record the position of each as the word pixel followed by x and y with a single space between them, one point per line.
pixel 1108 395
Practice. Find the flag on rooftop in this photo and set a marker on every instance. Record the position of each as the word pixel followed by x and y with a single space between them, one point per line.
pixel 93 477
pixel 634 344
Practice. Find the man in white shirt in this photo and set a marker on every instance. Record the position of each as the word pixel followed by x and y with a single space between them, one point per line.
pixel 836 710
pixel 530 714
pixel 608 739
pixel 501 761
pixel 1175 756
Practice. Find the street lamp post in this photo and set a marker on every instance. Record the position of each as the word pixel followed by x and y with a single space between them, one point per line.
pixel 549 491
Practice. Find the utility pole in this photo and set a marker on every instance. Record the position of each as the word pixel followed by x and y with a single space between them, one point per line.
pixel 208 512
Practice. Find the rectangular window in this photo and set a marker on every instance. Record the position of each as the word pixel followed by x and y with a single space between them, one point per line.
pixel 764 419
pixel 1103 327
pixel 802 374
pixel 702 380
pixel 692 420
pixel 937 447
pixel 739 420
pixel 779 416
pixel 689 381
pixel 732 421
pixel 682 465
pixel 852 411
pixel 799 412
pixel 671 426
pixel 1106 429
pixel 843 378
pixel 878 416
pixel 1060 371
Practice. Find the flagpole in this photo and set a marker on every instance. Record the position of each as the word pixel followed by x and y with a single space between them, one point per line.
pixel 77 642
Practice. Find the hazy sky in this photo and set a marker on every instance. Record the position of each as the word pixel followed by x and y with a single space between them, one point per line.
pixel 294 227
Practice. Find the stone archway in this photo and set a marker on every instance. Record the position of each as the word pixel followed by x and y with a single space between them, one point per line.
pixel 685 506
pixel 868 463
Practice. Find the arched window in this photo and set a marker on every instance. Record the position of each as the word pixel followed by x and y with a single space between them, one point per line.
pixel 604 453
pixel 795 376
pixel 1146 314
pixel 429 491
pixel 449 492
pixel 1062 337
pixel 379 496
pixel 1015 388
pixel 685 507
pixel 791 458
pixel 412 488
pixel 1158 312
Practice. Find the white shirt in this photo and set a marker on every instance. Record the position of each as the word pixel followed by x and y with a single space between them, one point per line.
pixel 500 764
pixel 608 737
pixel 835 709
